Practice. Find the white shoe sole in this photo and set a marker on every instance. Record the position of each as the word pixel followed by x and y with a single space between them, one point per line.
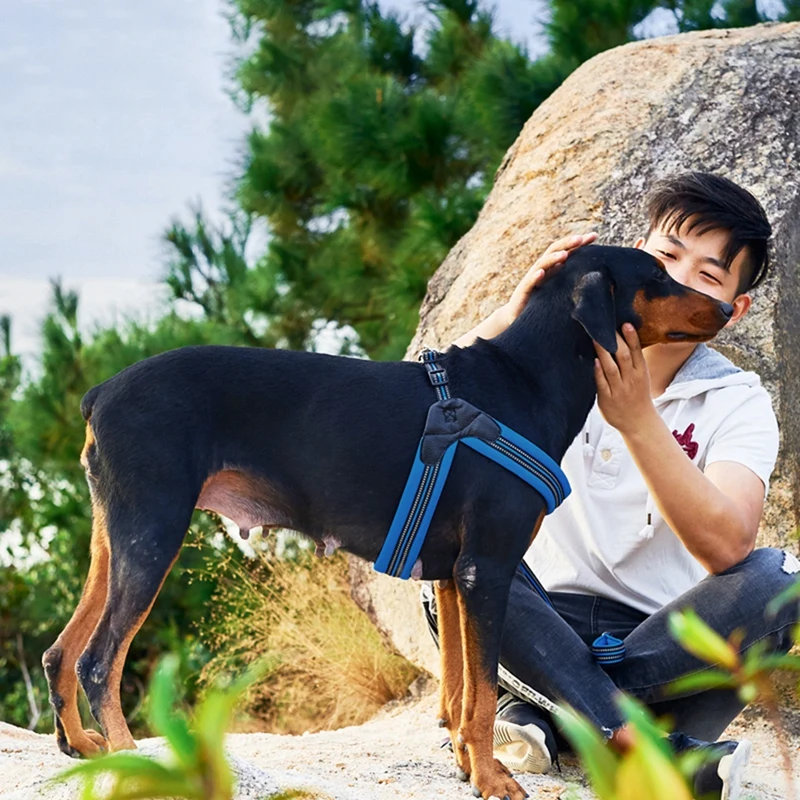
pixel 730 769
pixel 521 748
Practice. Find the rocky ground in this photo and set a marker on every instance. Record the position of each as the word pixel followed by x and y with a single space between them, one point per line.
pixel 395 756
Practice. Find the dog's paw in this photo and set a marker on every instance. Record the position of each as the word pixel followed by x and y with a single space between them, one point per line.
pixel 98 739
pixel 463 765
pixel 86 744
pixel 476 793
pixel 498 783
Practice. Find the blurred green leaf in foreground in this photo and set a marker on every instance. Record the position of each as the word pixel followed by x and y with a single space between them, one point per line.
pixel 196 767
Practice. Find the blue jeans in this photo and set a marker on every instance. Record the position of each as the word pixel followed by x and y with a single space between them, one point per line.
pixel 548 648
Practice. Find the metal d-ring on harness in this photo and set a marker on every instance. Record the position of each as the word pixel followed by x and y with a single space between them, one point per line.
pixel 452 420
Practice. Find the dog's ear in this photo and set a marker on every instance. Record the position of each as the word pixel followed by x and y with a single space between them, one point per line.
pixel 594 309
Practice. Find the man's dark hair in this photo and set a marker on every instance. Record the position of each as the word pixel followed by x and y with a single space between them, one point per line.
pixel 710 202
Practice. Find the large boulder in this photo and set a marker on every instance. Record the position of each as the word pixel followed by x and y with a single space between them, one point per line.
pixel 725 101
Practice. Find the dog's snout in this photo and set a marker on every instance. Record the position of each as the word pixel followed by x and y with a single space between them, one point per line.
pixel 726 309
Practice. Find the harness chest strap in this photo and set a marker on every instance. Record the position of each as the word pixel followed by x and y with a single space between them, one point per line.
pixel 452 420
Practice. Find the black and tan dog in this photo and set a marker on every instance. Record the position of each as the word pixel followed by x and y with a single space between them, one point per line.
pixel 323 444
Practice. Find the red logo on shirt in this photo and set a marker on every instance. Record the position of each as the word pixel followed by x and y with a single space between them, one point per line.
pixel 685 441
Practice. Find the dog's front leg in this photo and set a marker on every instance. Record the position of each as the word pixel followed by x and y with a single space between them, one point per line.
pixel 482 587
pixel 451 687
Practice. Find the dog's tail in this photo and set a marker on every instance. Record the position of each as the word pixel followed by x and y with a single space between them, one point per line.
pixel 87 404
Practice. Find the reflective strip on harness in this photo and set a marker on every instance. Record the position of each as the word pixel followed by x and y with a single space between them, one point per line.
pixel 413 515
pixel 426 480
pixel 526 461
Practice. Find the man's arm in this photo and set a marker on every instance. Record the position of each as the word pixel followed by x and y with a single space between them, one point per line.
pixel 555 255
pixel 715 514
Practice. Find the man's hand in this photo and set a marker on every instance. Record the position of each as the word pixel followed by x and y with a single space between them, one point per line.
pixel 545 267
pixel 623 383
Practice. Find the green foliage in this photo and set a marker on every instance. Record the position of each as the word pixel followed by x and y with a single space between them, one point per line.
pixel 383 140
pixel 45 507
pixel 580 29
pixel 790 593
pixel 791 10
pixel 10 374
pixel 207 267
pixel 748 673
pixel 697 638
pixel 197 768
pixel 378 155
pixel 648 769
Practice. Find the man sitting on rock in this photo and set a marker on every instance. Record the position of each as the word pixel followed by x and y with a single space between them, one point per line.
pixel 669 477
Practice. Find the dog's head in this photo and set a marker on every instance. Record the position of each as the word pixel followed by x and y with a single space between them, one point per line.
pixel 615 285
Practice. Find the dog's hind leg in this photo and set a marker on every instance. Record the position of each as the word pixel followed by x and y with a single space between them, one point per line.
pixel 144 543
pixel 451 687
pixel 60 659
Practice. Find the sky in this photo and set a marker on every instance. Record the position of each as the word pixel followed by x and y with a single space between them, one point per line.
pixel 114 117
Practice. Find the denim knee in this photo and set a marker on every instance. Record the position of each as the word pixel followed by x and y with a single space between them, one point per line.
pixel 774 569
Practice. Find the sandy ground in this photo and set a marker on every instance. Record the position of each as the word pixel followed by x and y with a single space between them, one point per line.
pixel 395 756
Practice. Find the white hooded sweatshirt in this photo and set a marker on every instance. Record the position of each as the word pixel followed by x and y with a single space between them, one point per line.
pixel 608 538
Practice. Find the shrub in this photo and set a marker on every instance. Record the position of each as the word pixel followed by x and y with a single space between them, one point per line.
pixel 328 666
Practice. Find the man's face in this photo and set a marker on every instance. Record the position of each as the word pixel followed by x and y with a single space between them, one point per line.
pixel 696 260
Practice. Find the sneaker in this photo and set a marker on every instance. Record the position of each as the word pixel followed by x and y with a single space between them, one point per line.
pixel 720 775
pixel 523 741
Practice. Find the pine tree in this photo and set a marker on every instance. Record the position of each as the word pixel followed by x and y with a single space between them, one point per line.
pixel 378 155
pixel 383 140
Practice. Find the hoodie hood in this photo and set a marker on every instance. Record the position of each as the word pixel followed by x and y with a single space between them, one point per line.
pixel 705 369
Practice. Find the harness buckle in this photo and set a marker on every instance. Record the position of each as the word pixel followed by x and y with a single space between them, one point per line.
pixel 438 377
pixel 436 373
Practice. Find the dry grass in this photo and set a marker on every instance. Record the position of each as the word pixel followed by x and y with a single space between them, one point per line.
pixel 328 665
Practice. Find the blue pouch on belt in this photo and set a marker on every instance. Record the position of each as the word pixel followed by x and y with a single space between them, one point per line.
pixel 608 650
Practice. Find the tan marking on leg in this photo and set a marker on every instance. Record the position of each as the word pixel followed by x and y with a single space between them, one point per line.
pixel 76 634
pixel 112 719
pixel 451 688
pixel 477 719
pixel 90 440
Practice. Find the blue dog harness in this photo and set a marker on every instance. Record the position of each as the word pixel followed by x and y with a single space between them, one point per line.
pixel 452 420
